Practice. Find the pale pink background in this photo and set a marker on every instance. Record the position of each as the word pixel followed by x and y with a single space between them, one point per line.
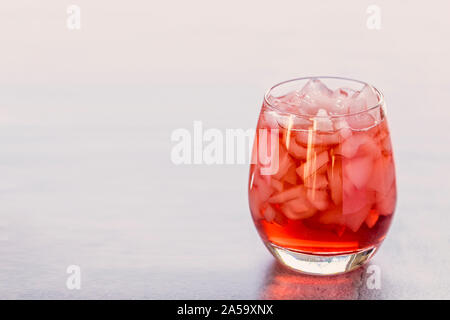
pixel 86 118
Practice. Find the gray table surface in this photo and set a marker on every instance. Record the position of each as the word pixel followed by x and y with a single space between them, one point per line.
pixel 85 167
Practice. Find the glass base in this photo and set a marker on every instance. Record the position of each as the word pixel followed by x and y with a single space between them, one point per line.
pixel 321 264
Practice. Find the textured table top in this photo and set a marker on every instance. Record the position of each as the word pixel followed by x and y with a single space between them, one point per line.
pixel 86 173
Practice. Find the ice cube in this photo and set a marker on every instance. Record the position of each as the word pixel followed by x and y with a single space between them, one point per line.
pixel 360 102
pixel 316 88
pixel 297 205
pixel 318 198
pixel 305 137
pixel 361 121
pixel 292 102
pixel 319 140
pixel 372 218
pixel 343 93
pixel 323 122
pixel 371 147
pixel 287 103
pixel 341 125
pixel 355 199
pixel 382 176
pixel 316 181
pixel 285 162
pixel 263 187
pixel 286 107
pixel 298 208
pixel 345 133
pixel 376 114
pixel 331 216
pixel 358 170
pixel 340 100
pixel 291 175
pixel 339 107
pixel 268 120
pixel 356 104
pixel 327 139
pixel 287 195
pixel 296 149
pixel 386 204
pixel 312 165
pixel 356 219
pixel 315 95
pixel 283 120
pixel 335 181
pixel 269 213
pixel 293 122
pixel 294 98
pixel 276 185
pixel 369 95
pixel 350 147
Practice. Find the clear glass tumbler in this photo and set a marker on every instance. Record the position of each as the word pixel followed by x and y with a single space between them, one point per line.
pixel 322 187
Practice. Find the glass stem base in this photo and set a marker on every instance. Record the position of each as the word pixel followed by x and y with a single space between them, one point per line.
pixel 321 264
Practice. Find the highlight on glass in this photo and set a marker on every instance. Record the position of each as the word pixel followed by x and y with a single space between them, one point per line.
pixel 322 187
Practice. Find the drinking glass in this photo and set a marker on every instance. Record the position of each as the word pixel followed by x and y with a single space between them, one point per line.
pixel 322 187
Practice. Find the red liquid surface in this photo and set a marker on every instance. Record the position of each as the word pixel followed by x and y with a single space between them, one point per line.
pixel 333 192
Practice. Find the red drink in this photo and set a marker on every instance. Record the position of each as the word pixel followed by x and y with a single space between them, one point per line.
pixel 333 192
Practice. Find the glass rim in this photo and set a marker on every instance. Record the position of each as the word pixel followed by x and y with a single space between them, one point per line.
pixel 275 108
